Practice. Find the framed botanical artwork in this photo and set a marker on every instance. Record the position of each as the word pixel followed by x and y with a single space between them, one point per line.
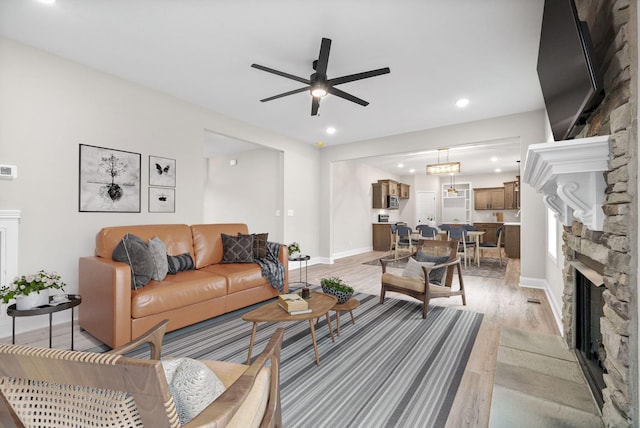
pixel 109 180
pixel 162 172
pixel 162 200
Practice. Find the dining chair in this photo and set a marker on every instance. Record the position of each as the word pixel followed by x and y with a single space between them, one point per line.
pixel 404 239
pixel 460 234
pixel 490 245
pixel 427 231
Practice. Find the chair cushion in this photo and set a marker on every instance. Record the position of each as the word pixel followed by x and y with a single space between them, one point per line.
pixel 413 269
pixel 435 276
pixel 193 386
pixel 403 282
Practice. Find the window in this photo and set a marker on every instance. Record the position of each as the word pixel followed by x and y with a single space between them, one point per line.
pixel 552 235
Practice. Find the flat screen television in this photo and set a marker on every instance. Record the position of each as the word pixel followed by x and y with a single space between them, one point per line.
pixel 569 78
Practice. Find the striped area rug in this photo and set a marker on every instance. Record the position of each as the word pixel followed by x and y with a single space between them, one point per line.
pixel 391 368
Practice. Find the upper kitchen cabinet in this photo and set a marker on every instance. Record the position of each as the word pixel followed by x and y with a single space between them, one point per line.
pixel 392 186
pixel 404 191
pixel 510 195
pixel 489 198
pixel 380 192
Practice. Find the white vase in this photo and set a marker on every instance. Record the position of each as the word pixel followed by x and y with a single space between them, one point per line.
pixel 32 300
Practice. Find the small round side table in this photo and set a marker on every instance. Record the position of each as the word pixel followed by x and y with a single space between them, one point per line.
pixel 347 306
pixel 301 258
pixel 73 301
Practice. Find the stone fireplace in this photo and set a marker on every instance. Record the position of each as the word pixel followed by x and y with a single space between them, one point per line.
pixel 599 213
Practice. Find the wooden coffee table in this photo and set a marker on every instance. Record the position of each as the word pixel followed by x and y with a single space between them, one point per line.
pixel 319 303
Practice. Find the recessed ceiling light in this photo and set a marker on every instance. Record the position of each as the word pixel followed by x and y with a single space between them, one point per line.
pixel 462 102
pixel 331 130
pixel 498 170
pixel 412 170
pixel 400 165
pixel 493 159
pixel 48 2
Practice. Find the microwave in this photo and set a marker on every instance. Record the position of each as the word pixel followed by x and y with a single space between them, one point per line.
pixel 392 202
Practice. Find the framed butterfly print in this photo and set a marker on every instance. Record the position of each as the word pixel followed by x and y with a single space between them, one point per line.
pixel 162 172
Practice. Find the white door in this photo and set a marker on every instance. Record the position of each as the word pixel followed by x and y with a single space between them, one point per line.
pixel 426 206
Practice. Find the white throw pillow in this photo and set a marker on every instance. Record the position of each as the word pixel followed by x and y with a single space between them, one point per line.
pixel 192 385
pixel 414 269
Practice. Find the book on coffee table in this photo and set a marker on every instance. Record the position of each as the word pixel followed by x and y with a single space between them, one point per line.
pixel 292 302
pixel 294 312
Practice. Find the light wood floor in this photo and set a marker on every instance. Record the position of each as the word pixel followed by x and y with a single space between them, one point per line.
pixel 502 302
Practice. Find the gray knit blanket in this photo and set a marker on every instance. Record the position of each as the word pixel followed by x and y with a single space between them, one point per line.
pixel 271 267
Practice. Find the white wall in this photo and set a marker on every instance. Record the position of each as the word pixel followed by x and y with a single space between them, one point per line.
pixel 249 192
pixel 48 106
pixel 352 212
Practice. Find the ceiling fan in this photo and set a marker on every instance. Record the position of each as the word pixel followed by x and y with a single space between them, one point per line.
pixel 318 84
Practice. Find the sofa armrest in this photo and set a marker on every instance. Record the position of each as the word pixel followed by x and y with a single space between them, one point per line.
pixel 105 287
pixel 284 259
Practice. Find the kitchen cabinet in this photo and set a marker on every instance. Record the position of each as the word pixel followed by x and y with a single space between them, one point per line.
pixel 380 192
pixel 488 198
pixel 381 236
pixel 512 240
pixel 404 191
pixel 490 231
pixel 510 195
pixel 392 186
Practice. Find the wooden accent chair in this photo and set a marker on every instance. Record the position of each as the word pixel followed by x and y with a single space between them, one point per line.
pixel 50 387
pixel 426 289
pixel 497 245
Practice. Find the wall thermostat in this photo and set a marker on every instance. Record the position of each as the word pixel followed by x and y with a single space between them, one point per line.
pixel 8 172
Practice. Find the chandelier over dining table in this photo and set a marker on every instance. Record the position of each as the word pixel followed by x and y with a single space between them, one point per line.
pixel 443 167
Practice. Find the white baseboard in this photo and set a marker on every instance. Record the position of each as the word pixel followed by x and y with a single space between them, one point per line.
pixel 329 260
pixel 556 308
pixel 350 253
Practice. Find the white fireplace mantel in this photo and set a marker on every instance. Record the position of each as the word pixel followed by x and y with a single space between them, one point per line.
pixel 570 174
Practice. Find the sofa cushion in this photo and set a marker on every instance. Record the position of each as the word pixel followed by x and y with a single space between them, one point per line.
pixel 207 241
pixel 134 251
pixel 177 291
pixel 260 245
pixel 237 249
pixel 159 254
pixel 193 386
pixel 240 276
pixel 180 263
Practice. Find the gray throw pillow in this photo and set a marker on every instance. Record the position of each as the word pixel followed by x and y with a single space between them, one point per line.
pixel 134 251
pixel 180 263
pixel 237 249
pixel 159 253
pixel 435 276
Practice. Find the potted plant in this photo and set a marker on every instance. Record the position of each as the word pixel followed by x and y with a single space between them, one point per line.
pixel 294 250
pixel 31 290
pixel 336 287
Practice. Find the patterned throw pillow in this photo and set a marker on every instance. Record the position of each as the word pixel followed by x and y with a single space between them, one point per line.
pixel 413 269
pixel 159 253
pixel 435 276
pixel 237 249
pixel 180 263
pixel 133 251
pixel 193 386
pixel 259 244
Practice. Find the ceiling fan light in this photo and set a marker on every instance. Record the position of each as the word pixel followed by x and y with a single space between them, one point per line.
pixel 318 91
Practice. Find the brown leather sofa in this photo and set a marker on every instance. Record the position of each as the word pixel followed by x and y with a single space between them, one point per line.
pixel 115 314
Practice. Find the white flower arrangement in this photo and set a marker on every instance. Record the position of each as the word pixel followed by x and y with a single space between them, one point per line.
pixel 26 284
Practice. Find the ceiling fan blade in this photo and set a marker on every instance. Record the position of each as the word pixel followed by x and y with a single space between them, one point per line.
pixel 323 58
pixel 295 91
pixel 315 105
pixel 343 94
pixel 358 76
pixel 281 73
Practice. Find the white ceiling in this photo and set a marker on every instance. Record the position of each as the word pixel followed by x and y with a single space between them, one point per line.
pixel 201 51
